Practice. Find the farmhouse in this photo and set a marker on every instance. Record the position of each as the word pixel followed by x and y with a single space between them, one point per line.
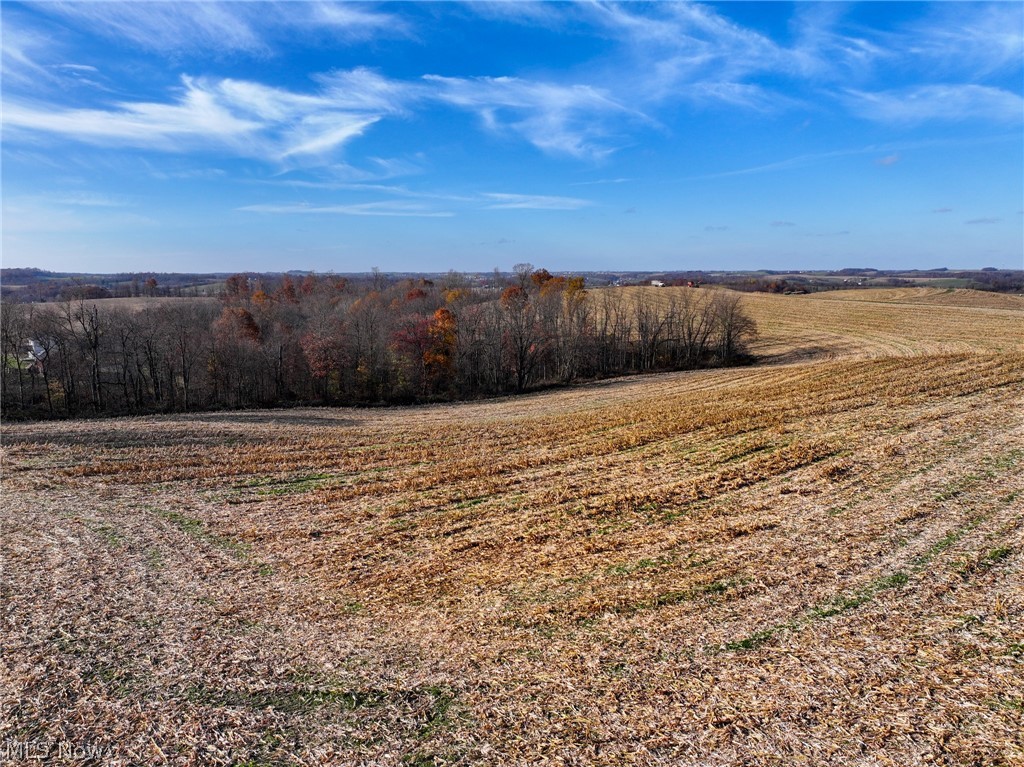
pixel 33 351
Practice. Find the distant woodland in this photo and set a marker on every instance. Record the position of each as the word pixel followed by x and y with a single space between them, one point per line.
pixel 29 285
pixel 328 340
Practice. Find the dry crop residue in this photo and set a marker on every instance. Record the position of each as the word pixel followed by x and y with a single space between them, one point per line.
pixel 816 561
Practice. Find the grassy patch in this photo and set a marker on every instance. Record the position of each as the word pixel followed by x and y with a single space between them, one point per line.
pixel 438 715
pixel 835 606
pixel 837 510
pixel 667 598
pixel 985 562
pixel 756 639
pixel 945 542
pixel 939 546
pixel 641 564
pixel 108 533
pixel 351 608
pixel 844 602
pixel 286 699
pixel 197 529
pixel 961 485
pixel 1007 460
pixel 274 486
pixel 1015 650
pixel 471 502
pixel 1013 704
pixel 154 558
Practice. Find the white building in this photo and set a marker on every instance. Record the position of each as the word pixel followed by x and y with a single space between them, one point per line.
pixel 33 352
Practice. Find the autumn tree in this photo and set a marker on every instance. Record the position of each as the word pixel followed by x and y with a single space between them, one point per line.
pixel 369 323
pixel 439 359
pixel 522 338
pixel 237 288
pixel 575 331
pixel 234 366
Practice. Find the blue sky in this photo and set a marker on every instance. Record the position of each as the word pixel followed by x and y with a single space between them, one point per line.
pixel 205 136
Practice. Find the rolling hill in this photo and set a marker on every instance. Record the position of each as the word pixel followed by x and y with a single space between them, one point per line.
pixel 815 560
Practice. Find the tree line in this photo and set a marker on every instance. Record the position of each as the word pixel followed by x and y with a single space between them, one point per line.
pixel 325 339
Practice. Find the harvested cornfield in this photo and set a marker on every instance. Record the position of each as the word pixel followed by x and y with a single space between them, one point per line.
pixel 887 323
pixel 928 296
pixel 816 561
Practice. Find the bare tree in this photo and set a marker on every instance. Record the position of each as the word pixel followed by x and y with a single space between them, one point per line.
pixel 735 327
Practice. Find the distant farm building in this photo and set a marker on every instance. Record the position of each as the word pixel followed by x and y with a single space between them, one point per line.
pixel 33 351
pixel 33 354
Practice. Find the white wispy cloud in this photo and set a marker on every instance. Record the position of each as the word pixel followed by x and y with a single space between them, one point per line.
pixel 392 190
pixel 540 14
pixel 90 200
pixel 409 202
pixel 684 53
pixel 683 49
pixel 348 19
pixel 823 51
pixel 502 201
pixel 786 164
pixel 321 133
pixel 22 51
pixel 572 120
pixel 690 51
pixel 35 60
pixel 365 89
pixel 888 149
pixel 385 208
pixel 842 233
pixel 47 215
pixel 218 28
pixel 78 67
pixel 602 182
pixel 981 38
pixel 743 95
pixel 937 102
pixel 188 174
pixel 195 118
pixel 166 27
pixel 246 118
pixel 256 120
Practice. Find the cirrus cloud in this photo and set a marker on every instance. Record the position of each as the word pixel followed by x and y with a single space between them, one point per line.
pixel 243 118
pixel 572 120
pixel 937 102
pixel 501 201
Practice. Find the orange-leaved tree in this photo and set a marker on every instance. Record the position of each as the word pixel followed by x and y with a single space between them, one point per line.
pixel 439 358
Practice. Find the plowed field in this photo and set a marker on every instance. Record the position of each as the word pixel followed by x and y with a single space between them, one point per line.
pixel 817 561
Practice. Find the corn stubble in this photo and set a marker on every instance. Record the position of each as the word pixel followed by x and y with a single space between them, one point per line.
pixel 816 561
